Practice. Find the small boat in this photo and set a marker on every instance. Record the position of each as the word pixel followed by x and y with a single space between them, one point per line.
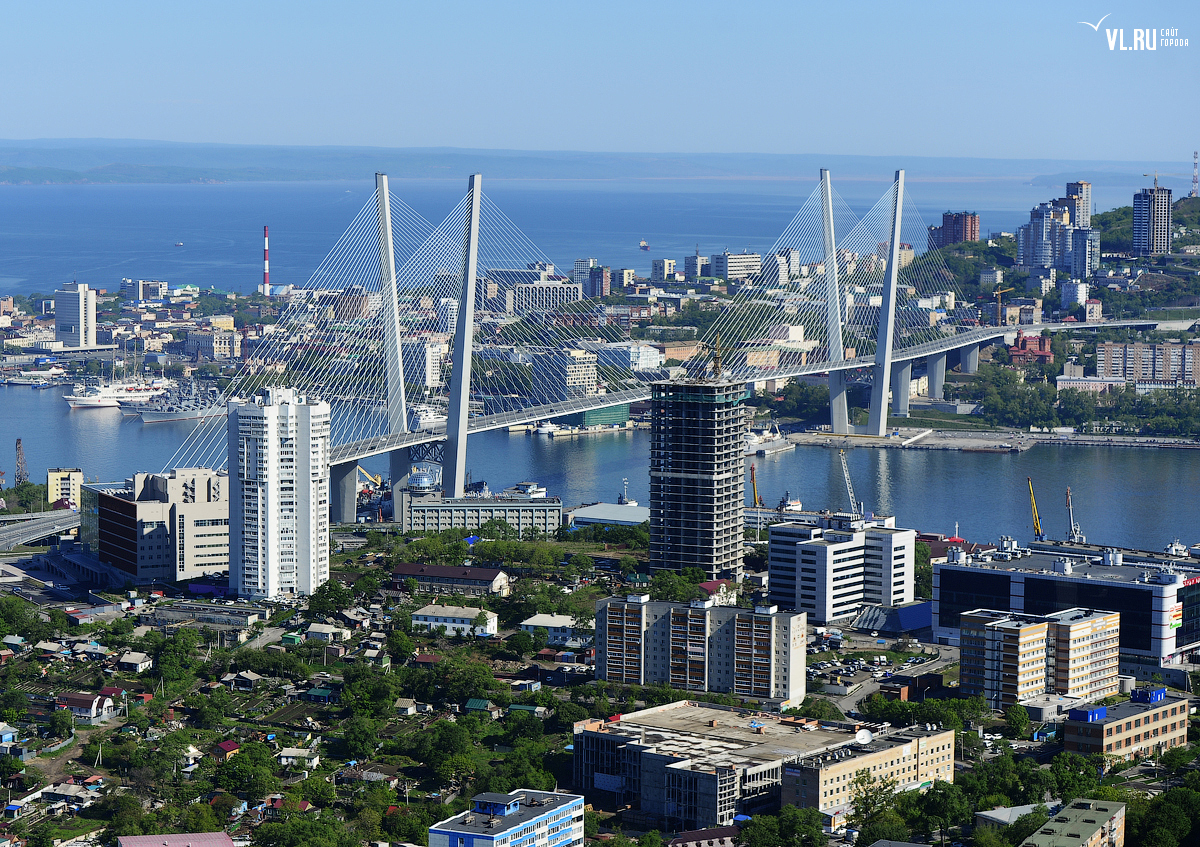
pixel 644 246
pixel 546 428
pixel 525 491
pixel 767 441
pixel 178 243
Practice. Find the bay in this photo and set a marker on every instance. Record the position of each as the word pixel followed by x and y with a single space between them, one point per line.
pixel 1127 497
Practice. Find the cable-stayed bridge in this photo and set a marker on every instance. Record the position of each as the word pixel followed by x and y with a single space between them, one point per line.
pixel 419 335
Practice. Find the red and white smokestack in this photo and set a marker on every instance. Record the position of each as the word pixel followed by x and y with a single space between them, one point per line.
pixel 266 266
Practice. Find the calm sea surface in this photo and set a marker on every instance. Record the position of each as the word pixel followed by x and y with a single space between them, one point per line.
pixel 98 234
pixel 1134 498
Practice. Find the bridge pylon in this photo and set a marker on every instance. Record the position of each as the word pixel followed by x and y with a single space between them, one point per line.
pixel 454 469
pixel 839 415
pixel 877 422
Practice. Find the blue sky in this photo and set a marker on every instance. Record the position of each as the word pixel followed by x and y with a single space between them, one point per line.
pixel 1010 80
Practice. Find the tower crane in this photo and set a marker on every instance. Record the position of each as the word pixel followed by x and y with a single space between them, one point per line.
pixel 1074 532
pixel 999 295
pixel 855 507
pixel 1037 524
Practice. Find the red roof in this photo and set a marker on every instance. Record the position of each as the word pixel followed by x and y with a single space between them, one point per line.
pixel 111 691
pixel 713 586
pixel 407 569
pixel 229 746
pixel 426 659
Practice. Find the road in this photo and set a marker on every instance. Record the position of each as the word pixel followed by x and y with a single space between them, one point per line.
pixel 26 532
pixel 269 635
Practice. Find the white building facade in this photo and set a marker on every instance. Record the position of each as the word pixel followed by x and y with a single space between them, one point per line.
pixel 279 494
pixel 75 315
pixel 830 566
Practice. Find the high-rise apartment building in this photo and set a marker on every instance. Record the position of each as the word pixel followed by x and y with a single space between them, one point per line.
pixel 279 494
pixel 736 265
pixel 168 526
pixel 1073 293
pixel 956 227
pixel 623 277
pixel 75 315
pixel 1141 362
pixel 697 476
pixel 662 270
pixel 1008 658
pixel 755 653
pixel 422 362
pixel 447 315
pixel 1085 252
pixel 831 565
pixel 1152 221
pixel 599 282
pixel 1079 202
pixel 696 266
pixel 582 272
pixel 564 375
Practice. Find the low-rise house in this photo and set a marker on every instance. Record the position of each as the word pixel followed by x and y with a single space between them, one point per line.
pixel 290 757
pixel 13 642
pixel 66 792
pixel 371 772
pixel 89 651
pixel 720 836
pixel 89 707
pixel 8 734
pixel 539 712
pixel 559 628
pixel 226 750
pixel 406 706
pixel 291 639
pixel 441 579
pixel 242 681
pixel 320 695
pixel 378 658
pixel 485 708
pixel 425 660
pixel 326 632
pixel 458 620
pixel 134 662
pixel 723 592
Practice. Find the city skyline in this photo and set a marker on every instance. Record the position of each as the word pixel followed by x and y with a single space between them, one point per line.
pixel 252 75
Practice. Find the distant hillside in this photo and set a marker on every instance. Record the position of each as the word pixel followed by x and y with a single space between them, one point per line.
pixel 1116 226
pixel 1116 229
pixel 108 161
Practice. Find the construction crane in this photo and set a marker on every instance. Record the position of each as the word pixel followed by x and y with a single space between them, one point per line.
pixel 1037 524
pixel 855 507
pixel 1074 533
pixel 375 478
pixel 758 501
pixel 999 295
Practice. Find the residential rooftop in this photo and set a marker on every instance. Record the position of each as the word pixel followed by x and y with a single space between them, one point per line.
pixel 531 805
pixel 1075 825
pixel 710 736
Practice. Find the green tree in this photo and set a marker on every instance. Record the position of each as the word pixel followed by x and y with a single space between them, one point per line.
pixel 885 826
pixel 520 643
pixel 1026 825
pixel 1017 720
pixel 61 723
pixel 653 838
pixel 330 598
pixel 922 572
pixel 627 564
pixel 871 796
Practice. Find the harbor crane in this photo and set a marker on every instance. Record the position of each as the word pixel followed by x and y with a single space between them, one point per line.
pixel 758 501
pixel 1074 533
pixel 856 508
pixel 1037 523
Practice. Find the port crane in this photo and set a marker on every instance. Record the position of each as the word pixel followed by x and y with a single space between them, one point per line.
pixel 1037 523
pixel 758 501
pixel 856 508
pixel 1074 532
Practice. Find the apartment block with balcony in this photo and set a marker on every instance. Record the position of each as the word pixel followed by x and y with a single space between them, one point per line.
pixel 755 653
pixel 1009 658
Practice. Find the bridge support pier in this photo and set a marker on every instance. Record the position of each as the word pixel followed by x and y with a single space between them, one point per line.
pixel 901 384
pixel 970 359
pixel 839 411
pixel 936 368
pixel 343 493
